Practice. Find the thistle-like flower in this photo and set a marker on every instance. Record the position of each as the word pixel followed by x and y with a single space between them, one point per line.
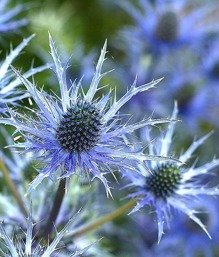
pixel 77 131
pixel 162 33
pixel 7 22
pixel 8 84
pixel 171 185
pixel 167 24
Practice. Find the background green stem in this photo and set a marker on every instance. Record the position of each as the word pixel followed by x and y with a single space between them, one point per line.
pixel 101 221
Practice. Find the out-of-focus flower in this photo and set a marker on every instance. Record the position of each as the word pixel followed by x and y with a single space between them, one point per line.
pixel 171 185
pixel 168 24
pixel 8 83
pixel 76 130
pixel 206 98
pixel 210 62
pixel 168 36
pixel 8 20
pixel 205 101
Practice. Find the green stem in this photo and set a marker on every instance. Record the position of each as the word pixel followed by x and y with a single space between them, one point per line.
pixel 101 221
pixel 55 209
pixel 12 187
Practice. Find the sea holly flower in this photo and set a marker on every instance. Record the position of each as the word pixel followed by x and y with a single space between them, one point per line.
pixel 165 25
pixel 76 130
pixel 161 41
pixel 8 84
pixel 7 21
pixel 171 185
pixel 15 219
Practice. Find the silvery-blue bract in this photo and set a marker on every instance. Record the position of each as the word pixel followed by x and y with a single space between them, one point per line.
pixel 8 22
pixel 188 238
pixel 28 247
pixel 78 131
pixel 8 83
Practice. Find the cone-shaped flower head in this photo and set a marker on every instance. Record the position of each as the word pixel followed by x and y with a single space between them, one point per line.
pixel 171 185
pixel 77 130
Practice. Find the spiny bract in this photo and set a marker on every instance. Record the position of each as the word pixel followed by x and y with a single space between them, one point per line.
pixel 170 185
pixel 8 84
pixel 77 131
pixel 8 23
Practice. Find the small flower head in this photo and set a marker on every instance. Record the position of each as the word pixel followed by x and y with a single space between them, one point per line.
pixel 77 130
pixel 171 185
pixel 164 25
pixel 7 21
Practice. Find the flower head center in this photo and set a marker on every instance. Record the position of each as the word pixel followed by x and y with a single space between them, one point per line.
pixel 164 181
pixel 167 27
pixel 80 127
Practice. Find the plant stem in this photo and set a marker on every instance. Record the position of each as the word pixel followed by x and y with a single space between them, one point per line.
pixel 101 221
pixel 55 208
pixel 12 187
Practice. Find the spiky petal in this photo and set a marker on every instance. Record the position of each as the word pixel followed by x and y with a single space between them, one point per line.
pixel 8 84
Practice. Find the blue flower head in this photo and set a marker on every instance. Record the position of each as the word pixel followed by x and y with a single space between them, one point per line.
pixel 171 185
pixel 7 21
pixel 167 24
pixel 8 84
pixel 76 130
